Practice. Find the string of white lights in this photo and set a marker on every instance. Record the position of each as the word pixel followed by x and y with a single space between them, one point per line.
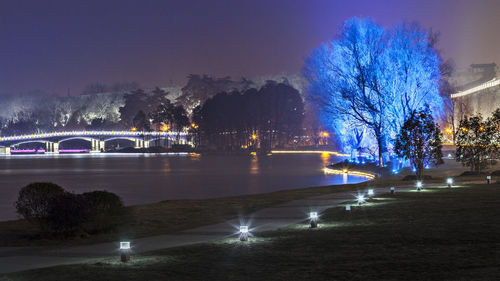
pixel 89 133
pixel 492 83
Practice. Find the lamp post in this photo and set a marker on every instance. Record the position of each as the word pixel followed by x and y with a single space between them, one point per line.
pixel 243 233
pixel 371 192
pixel 313 216
pixel 419 185
pixel 361 199
pixel 125 251
pixel 449 181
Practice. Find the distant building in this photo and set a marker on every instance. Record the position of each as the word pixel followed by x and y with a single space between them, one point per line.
pixel 477 91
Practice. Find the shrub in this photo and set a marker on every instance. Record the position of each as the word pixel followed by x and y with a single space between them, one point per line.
pixel 33 200
pixel 104 207
pixel 67 213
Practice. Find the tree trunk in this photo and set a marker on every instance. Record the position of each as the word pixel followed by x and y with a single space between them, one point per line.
pixel 380 143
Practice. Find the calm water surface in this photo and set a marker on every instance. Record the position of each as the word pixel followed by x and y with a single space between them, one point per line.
pixel 146 178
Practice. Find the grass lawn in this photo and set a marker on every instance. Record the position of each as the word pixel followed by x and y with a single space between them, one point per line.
pixel 437 234
pixel 168 216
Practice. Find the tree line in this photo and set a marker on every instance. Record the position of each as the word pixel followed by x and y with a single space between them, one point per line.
pixel 257 118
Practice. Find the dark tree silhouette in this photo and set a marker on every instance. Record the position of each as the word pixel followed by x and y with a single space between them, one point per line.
pixel 475 141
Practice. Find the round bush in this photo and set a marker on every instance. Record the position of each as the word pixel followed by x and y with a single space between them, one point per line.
pixel 34 199
pixel 103 202
pixel 104 207
pixel 67 213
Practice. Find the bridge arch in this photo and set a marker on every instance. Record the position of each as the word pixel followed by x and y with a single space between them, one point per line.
pixel 29 141
pixel 123 138
pixel 78 138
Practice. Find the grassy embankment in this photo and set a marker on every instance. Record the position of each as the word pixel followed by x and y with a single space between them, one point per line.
pixel 176 215
pixel 437 234
pixel 166 216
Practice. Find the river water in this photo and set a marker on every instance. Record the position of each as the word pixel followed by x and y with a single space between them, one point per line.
pixel 147 178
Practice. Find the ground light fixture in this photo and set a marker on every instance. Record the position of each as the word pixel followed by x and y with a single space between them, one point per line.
pixel 371 192
pixel 313 216
pixel 348 208
pixel 393 190
pixel 488 179
pixel 449 181
pixel 125 251
pixel 419 185
pixel 361 199
pixel 243 232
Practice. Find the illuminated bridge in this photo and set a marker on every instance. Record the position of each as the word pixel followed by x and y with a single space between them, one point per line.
pixel 97 140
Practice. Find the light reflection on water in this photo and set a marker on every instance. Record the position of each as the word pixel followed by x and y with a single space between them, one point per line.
pixel 146 178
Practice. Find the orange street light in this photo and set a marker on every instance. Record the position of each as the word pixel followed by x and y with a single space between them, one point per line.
pixel 254 136
pixel 448 130
pixel 133 129
pixel 165 128
pixel 194 125
pixel 325 134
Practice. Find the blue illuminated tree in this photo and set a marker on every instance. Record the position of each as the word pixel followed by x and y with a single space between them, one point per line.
pixel 372 79
pixel 343 78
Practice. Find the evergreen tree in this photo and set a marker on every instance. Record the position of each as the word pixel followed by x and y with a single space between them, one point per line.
pixel 419 141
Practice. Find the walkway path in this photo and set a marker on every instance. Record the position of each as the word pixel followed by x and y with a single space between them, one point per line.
pixel 23 258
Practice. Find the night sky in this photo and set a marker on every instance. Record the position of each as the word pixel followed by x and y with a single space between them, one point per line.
pixel 55 45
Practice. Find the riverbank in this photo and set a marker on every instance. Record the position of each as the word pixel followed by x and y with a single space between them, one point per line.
pixel 438 234
pixel 168 216
pixel 177 215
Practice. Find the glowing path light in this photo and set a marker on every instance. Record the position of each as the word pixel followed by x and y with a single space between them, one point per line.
pixel 449 181
pixel 419 185
pixel 371 192
pixel 361 199
pixel 349 172
pixel 313 216
pixel 125 251
pixel 308 151
pixel 243 232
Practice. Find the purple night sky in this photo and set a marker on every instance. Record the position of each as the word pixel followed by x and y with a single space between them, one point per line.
pixel 56 45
